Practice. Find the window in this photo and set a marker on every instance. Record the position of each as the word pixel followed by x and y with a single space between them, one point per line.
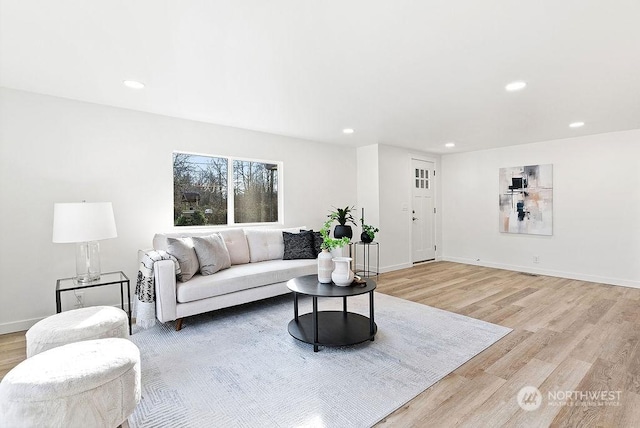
pixel 209 190
pixel 422 178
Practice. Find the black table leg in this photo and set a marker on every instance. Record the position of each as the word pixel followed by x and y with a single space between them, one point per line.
pixel 129 305
pixel 371 320
pixel 315 324
pixel 295 306
pixel 344 305
pixel 58 303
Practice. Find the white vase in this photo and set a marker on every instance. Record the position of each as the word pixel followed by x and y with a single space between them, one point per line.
pixel 325 267
pixel 342 274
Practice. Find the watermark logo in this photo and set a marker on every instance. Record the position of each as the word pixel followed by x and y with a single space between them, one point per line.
pixel 529 398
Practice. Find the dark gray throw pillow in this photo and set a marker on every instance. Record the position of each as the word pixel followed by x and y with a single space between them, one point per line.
pixel 298 245
pixel 317 241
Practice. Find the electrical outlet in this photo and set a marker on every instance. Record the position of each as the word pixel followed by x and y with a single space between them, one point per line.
pixel 536 259
pixel 79 299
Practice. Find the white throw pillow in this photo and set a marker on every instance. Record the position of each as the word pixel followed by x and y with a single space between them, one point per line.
pixel 182 249
pixel 212 253
pixel 236 243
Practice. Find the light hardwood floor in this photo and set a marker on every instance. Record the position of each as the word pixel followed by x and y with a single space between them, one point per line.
pixel 567 336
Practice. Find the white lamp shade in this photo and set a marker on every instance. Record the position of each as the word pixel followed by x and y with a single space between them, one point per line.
pixel 83 222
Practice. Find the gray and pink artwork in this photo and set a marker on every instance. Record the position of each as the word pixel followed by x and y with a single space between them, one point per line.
pixel 526 199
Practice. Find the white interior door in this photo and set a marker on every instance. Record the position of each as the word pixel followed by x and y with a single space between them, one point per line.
pixel 423 183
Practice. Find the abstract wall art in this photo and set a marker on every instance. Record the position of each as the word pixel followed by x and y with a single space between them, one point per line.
pixel 526 199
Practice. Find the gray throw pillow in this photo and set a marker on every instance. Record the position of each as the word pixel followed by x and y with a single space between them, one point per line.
pixel 212 253
pixel 182 249
pixel 298 245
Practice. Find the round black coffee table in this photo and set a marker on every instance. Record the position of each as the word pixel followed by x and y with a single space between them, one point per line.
pixel 331 328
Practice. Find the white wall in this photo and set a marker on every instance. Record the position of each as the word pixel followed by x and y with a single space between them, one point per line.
pixel 395 205
pixel 368 185
pixel 596 209
pixel 58 150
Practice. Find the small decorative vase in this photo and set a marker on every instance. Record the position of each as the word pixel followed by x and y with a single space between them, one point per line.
pixel 325 267
pixel 342 275
pixel 364 237
pixel 342 231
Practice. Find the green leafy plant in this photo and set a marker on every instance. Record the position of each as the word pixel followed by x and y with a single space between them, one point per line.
pixel 343 215
pixel 369 230
pixel 329 243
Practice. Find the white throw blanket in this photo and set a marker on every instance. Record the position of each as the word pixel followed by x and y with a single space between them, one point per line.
pixel 145 306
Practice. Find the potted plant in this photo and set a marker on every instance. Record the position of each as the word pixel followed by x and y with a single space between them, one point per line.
pixel 325 263
pixel 368 232
pixel 329 243
pixel 343 216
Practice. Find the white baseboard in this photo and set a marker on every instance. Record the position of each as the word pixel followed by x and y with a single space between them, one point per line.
pixel 23 325
pixel 548 272
pixel 12 327
pixel 391 268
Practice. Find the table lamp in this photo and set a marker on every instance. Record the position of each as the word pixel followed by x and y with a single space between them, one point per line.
pixel 84 224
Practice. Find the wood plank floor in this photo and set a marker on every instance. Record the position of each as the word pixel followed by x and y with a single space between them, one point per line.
pixel 567 336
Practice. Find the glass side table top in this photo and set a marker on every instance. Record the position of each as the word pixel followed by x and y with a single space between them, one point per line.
pixel 105 279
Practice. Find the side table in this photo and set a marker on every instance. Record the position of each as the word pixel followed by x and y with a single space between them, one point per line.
pixel 110 278
pixel 366 270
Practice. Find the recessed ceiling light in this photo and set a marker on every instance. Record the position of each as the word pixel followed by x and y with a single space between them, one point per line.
pixel 347 131
pixel 133 84
pixel 450 145
pixel 516 86
pixel 576 124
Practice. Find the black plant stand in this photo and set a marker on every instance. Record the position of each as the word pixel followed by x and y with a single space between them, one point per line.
pixel 366 270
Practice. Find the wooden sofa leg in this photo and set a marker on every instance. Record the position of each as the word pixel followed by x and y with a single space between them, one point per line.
pixel 179 324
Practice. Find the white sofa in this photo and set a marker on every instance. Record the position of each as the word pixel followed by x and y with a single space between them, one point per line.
pixel 257 271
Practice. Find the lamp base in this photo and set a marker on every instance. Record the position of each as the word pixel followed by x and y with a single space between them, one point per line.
pixel 87 261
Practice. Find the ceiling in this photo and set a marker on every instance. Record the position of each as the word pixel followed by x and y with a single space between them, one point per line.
pixel 414 74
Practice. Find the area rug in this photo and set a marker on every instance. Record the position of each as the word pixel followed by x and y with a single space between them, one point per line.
pixel 239 367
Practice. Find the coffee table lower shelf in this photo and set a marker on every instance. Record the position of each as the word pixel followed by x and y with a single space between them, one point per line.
pixel 335 328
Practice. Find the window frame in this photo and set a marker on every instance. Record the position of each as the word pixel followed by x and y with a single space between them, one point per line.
pixel 231 190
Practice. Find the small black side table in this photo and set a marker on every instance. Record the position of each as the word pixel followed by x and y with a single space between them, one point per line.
pixel 366 270
pixel 111 278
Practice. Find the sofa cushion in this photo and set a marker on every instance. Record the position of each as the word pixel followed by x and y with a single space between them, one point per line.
pixel 212 253
pixel 182 249
pixel 298 245
pixel 242 277
pixel 266 244
pixel 236 243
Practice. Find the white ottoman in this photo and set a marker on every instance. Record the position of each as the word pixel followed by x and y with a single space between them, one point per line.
pixel 94 383
pixel 95 322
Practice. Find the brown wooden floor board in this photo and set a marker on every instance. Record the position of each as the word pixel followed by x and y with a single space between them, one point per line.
pixel 565 377
pixel 501 406
pixel 602 376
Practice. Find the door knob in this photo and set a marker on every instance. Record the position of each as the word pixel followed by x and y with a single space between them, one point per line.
pixel 415 218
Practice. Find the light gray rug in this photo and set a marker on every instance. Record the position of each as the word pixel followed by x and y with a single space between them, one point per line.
pixel 240 367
